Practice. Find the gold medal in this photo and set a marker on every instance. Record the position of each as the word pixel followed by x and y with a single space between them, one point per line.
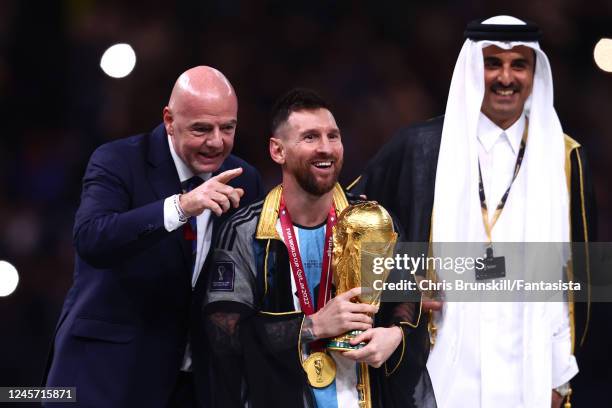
pixel 320 369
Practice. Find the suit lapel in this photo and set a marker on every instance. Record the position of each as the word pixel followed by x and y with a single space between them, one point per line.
pixel 162 171
pixel 165 182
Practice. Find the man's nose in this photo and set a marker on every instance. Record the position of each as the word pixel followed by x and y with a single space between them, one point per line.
pixel 505 76
pixel 324 145
pixel 214 139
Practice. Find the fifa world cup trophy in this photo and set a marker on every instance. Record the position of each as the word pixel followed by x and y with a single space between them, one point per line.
pixel 364 232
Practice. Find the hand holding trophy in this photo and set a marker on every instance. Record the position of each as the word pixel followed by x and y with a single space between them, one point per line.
pixel 363 232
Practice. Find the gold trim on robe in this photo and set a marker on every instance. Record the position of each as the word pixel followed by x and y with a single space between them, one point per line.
pixel 353 183
pixel 572 146
pixel 266 228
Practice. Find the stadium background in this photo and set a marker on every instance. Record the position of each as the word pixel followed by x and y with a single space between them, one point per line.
pixel 382 65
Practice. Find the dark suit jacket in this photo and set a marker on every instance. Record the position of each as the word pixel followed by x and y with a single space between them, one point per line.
pixel 124 325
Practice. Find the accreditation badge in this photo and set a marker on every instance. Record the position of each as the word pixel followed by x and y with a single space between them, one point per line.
pixel 493 267
pixel 320 369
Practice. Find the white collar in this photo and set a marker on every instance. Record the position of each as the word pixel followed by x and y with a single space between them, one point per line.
pixel 489 132
pixel 184 172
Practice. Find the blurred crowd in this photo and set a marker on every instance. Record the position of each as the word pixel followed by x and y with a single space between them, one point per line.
pixel 382 65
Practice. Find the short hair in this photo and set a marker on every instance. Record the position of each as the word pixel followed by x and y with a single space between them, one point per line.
pixel 297 99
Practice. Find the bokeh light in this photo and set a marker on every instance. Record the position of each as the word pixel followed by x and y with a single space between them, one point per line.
pixel 9 278
pixel 603 54
pixel 118 60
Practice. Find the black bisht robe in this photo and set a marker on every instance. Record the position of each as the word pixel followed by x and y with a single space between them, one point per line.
pixel 254 347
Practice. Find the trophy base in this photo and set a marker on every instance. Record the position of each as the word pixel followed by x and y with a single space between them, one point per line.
pixel 343 343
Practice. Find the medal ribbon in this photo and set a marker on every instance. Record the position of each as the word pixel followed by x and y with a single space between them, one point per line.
pixel 481 193
pixel 297 267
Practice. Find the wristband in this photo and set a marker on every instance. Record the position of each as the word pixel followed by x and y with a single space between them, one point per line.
pixel 177 205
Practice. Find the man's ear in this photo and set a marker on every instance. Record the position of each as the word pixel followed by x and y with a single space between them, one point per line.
pixel 168 120
pixel 277 150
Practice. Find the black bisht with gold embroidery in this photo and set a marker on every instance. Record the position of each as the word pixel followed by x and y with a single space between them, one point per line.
pixel 254 328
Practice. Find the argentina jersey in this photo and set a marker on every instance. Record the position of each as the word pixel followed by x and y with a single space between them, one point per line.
pixel 342 392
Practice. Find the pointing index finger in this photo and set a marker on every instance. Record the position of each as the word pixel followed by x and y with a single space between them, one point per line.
pixel 228 175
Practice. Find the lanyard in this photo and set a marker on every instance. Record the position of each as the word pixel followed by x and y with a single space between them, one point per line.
pixel 483 203
pixel 295 259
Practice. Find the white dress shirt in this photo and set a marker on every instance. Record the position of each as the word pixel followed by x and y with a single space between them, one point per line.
pixel 204 230
pixel 204 220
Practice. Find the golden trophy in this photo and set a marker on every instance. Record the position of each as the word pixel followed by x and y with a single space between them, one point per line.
pixel 364 231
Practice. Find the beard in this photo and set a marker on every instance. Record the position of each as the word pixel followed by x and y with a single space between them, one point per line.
pixel 309 182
